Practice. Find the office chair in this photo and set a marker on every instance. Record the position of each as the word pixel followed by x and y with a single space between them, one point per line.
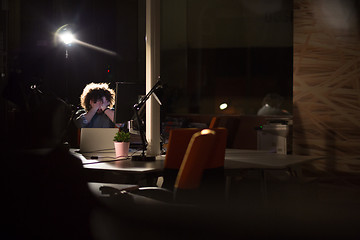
pixel 178 142
pixel 214 180
pixel 201 171
pixel 198 154
pixel 207 172
pixel 230 123
pixel 189 177
pixel 214 123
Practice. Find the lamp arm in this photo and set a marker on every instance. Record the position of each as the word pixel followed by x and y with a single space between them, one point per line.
pixel 141 130
pixel 137 108
pixel 157 85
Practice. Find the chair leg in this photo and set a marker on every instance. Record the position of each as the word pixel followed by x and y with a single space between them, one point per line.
pixel 227 188
pixel 264 187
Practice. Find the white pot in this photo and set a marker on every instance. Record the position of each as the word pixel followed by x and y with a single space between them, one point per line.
pixel 121 149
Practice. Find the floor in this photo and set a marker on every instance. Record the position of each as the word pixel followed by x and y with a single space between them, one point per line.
pixel 322 206
pixel 312 206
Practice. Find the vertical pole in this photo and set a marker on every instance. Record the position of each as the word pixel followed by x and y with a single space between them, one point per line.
pixel 152 74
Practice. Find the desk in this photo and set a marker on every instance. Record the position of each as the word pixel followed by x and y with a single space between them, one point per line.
pixel 236 161
pixel 122 170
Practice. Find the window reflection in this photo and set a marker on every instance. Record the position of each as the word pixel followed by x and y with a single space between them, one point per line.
pixel 216 51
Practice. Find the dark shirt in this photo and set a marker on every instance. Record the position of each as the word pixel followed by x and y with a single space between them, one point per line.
pixel 100 120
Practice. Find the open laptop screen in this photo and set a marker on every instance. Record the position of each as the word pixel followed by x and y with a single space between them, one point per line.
pixel 97 139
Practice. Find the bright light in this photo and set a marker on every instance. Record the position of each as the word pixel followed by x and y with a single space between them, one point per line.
pixel 207 131
pixel 223 106
pixel 67 37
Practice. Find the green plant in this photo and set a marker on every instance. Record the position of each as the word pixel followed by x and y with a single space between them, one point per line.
pixel 122 136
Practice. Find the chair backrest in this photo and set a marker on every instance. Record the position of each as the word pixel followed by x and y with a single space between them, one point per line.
pixel 214 122
pixel 178 143
pixel 241 129
pixel 217 158
pixel 200 148
pixel 179 139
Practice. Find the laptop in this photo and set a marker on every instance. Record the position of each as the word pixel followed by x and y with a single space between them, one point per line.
pixel 94 140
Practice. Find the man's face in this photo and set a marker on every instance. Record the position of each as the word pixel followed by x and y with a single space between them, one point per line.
pixel 103 103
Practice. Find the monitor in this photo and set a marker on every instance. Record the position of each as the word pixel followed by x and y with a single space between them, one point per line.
pixel 127 95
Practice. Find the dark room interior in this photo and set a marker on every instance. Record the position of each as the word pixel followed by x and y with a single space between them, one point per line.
pixel 214 160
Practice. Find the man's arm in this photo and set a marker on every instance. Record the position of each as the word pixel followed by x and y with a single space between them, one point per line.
pixel 110 113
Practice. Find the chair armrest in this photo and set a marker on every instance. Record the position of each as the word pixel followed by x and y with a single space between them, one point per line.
pixel 160 194
pixel 109 189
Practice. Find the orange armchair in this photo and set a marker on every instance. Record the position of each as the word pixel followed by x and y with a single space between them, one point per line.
pixel 195 159
pixel 200 174
pixel 178 142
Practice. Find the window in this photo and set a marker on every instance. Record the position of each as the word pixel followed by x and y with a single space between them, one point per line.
pixel 225 51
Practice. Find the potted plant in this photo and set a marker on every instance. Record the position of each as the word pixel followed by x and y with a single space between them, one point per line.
pixel 122 143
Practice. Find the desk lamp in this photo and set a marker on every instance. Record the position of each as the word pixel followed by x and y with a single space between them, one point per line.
pixel 137 108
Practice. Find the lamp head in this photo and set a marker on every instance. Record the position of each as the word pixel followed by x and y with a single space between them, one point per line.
pixel 223 106
pixel 67 37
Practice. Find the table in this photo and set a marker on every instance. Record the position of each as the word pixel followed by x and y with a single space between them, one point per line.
pixel 111 170
pixel 238 160
pixel 144 173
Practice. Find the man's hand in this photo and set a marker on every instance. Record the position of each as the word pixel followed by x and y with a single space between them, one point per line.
pixel 105 104
pixel 96 104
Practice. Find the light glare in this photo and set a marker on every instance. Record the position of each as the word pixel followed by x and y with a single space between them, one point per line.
pixel 64 34
pixel 223 106
pixel 67 37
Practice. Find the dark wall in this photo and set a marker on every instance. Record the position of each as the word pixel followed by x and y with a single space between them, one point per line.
pixel 235 52
pixel 109 24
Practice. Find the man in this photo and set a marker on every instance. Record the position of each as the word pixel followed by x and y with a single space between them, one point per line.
pixel 97 101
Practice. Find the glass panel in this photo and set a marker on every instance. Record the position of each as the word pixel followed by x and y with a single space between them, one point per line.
pixel 225 51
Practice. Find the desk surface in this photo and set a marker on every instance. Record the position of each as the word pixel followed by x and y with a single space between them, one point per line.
pixel 123 165
pixel 252 159
pixel 234 159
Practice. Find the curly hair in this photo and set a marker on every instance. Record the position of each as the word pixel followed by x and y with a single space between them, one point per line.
pixel 95 91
